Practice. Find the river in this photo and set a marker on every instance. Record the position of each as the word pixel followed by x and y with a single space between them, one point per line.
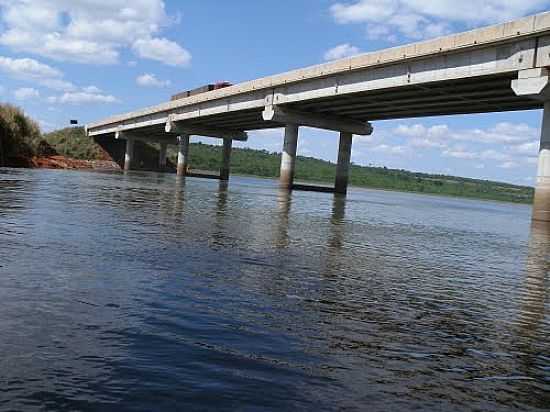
pixel 144 292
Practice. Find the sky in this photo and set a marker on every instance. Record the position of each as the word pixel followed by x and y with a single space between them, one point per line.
pixel 89 59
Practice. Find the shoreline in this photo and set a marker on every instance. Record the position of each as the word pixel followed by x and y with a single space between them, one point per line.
pixel 60 162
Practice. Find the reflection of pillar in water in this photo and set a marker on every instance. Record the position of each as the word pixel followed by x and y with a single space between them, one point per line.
pixel 533 298
pixel 222 197
pixel 219 237
pixel 535 288
pixel 284 202
pixel 338 215
pixel 179 196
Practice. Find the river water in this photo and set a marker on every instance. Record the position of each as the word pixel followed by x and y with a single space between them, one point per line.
pixel 142 292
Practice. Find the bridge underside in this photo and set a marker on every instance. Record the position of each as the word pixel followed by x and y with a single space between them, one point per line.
pixel 472 95
pixel 495 69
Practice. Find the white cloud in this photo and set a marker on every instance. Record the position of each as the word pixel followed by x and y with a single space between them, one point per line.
pixel 82 97
pixel 46 126
pixel 341 51
pixel 26 93
pixel 33 71
pixel 150 80
pixel 503 133
pixel 509 144
pixel 162 50
pixel 416 19
pixel 508 165
pixel 388 149
pixel 84 31
pixel 91 89
pixel 460 153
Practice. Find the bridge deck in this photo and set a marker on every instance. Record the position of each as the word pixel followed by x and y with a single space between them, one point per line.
pixel 464 73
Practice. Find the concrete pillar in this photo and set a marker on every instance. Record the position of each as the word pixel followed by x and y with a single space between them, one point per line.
pixel 226 160
pixel 162 155
pixel 129 155
pixel 288 158
pixel 344 161
pixel 541 205
pixel 183 154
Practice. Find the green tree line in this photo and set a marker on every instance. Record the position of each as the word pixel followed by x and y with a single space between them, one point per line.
pixel 20 136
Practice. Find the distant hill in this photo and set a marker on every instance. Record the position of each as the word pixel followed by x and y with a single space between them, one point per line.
pixel 74 143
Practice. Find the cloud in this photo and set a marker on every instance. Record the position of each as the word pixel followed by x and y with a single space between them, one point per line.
pixel 460 152
pixel 26 93
pixel 33 71
pixel 150 80
pixel 508 165
pixel 388 149
pixel 341 51
pixel 417 19
pixel 84 31
pixel 82 97
pixel 162 50
pixel 504 133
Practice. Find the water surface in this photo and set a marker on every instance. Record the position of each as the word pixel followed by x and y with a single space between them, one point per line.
pixel 144 292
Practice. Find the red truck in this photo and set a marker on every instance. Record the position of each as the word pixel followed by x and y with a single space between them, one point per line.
pixel 202 89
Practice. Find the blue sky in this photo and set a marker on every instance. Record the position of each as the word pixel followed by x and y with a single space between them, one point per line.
pixel 87 59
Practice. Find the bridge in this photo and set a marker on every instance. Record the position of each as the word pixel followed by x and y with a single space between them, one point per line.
pixel 499 68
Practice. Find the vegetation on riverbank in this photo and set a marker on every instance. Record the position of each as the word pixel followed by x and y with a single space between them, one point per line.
pixel 266 164
pixel 20 136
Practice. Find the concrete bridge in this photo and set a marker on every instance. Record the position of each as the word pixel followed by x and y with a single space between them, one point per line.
pixel 494 69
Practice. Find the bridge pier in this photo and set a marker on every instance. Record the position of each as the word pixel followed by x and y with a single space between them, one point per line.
pixel 183 154
pixel 535 84
pixel 162 155
pixel 226 160
pixel 129 154
pixel 288 157
pixel 343 165
pixel 541 204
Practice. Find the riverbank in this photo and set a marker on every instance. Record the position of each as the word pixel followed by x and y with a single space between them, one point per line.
pixel 62 162
pixel 22 145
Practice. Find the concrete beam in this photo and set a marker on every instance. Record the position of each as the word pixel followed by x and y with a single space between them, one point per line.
pixel 533 83
pixel 197 130
pixel 147 139
pixel 321 121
